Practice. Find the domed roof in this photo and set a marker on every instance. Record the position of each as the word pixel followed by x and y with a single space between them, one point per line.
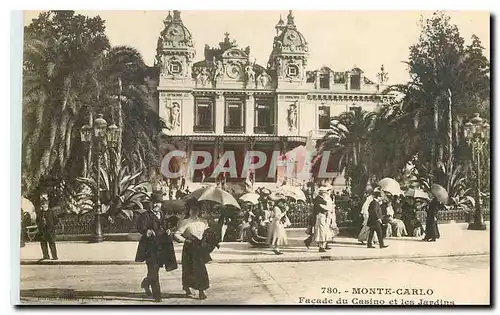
pixel 175 33
pixel 290 36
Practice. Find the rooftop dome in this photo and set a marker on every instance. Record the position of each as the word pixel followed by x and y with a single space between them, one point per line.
pixel 290 36
pixel 175 33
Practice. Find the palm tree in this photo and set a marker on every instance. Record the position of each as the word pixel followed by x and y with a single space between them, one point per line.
pixel 54 73
pixel 69 72
pixel 449 81
pixel 122 82
pixel 347 143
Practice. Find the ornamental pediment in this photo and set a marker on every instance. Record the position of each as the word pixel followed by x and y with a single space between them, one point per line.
pixel 234 53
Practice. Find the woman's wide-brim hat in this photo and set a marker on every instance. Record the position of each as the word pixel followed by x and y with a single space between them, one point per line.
pixel 325 189
pixel 277 197
pixel 265 191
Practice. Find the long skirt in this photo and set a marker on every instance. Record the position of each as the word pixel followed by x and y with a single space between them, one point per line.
pixel 399 228
pixel 431 229
pixel 277 234
pixel 194 271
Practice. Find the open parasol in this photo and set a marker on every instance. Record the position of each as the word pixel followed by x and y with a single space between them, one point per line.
pixel 252 198
pixel 292 192
pixel 197 193
pixel 440 193
pixel 218 195
pixel 390 185
pixel 28 207
pixel 417 194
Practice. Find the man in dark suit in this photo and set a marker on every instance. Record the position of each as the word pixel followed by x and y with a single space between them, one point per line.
pixel 375 219
pixel 155 246
pixel 46 222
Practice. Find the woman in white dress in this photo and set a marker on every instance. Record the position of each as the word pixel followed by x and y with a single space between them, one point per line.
pixel 277 233
pixel 322 230
pixel 190 232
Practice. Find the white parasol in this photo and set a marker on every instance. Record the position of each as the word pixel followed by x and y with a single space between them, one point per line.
pixel 219 196
pixel 390 185
pixel 292 192
pixel 252 198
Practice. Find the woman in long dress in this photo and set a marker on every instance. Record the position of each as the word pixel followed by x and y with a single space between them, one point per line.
pixel 431 225
pixel 332 222
pixel 322 230
pixel 190 232
pixel 277 234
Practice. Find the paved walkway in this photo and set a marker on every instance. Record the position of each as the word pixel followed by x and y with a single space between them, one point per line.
pixel 456 240
pixel 464 280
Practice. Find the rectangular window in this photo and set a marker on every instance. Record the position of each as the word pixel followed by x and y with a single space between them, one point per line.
pixel 264 117
pixel 355 82
pixel 235 116
pixel 204 115
pixel 324 81
pixel 324 117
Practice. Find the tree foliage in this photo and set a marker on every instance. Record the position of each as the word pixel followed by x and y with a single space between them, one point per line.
pixel 71 73
pixel 449 81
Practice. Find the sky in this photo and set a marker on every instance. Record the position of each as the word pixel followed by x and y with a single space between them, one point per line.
pixel 338 39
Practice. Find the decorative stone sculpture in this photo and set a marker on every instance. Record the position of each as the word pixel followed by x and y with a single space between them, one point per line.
pixel 219 70
pixel 264 79
pixel 292 117
pixel 250 74
pixel 175 116
pixel 203 77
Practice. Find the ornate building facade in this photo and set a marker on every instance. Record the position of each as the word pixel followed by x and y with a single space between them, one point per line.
pixel 228 102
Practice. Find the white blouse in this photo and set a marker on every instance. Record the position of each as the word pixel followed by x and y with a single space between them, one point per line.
pixel 189 228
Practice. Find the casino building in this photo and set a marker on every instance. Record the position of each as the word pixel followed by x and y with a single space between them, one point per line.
pixel 225 101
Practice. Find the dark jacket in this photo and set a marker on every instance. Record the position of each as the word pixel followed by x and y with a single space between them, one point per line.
pixel 47 222
pixel 209 242
pixel 159 247
pixel 374 213
pixel 317 203
pixel 431 223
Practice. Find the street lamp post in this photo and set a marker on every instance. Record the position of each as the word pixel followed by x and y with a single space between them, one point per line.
pixel 102 135
pixel 477 133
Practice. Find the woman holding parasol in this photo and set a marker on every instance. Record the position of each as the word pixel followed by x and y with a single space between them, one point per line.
pixel 190 232
pixel 437 204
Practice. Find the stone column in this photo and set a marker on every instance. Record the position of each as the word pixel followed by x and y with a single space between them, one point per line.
pixel 219 113
pixel 187 114
pixel 249 114
pixel 348 81
pixel 218 152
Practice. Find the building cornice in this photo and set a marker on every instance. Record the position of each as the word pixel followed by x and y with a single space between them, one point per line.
pixel 229 137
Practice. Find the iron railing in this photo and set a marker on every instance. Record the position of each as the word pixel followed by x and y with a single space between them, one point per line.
pixel 298 215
